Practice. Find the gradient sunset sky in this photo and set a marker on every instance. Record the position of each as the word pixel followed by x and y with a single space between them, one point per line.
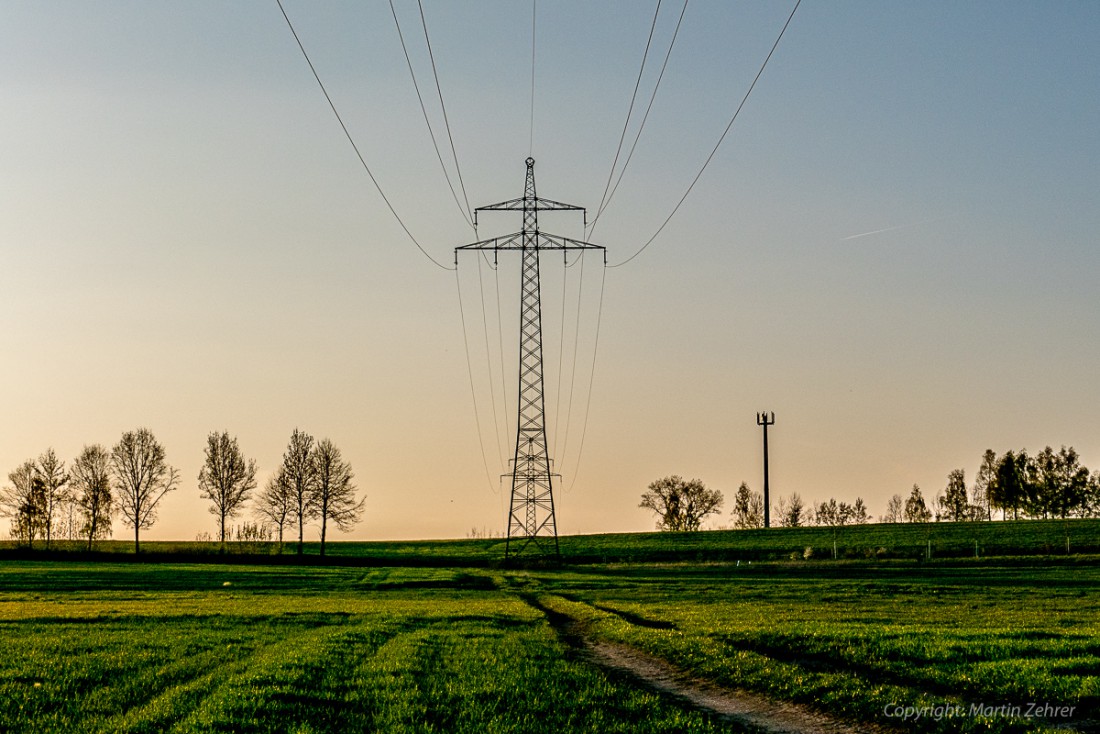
pixel 895 249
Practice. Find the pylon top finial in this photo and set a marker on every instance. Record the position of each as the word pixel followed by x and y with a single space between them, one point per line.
pixel 530 162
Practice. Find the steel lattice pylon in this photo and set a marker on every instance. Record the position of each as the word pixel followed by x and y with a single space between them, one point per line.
pixel 531 520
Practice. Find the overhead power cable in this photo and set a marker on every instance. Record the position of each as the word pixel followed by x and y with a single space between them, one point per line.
pixel 443 107
pixel 629 111
pixel 716 145
pixel 489 363
pixel 427 119
pixel 591 380
pixel 561 348
pixel 351 140
pixel 641 125
pixel 500 349
pixel 576 347
pixel 473 390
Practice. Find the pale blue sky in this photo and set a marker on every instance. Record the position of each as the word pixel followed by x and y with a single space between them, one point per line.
pixel 189 243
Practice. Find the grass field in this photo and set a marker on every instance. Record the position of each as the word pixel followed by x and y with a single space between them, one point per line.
pixel 862 639
pixel 105 647
pixel 129 648
pixel 902 540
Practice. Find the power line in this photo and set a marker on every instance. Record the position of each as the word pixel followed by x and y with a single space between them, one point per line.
pixel 629 111
pixel 573 369
pixel 561 434
pixel 351 140
pixel 591 380
pixel 427 120
pixel 718 144
pixel 645 117
pixel 561 351
pixel 442 106
pixel 497 348
pixel 500 350
pixel 489 364
pixel 470 371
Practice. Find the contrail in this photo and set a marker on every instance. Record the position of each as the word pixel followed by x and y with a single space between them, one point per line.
pixel 880 231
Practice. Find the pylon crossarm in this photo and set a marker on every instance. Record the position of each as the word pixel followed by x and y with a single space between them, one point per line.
pixel 556 242
pixel 539 204
pixel 545 242
pixel 507 242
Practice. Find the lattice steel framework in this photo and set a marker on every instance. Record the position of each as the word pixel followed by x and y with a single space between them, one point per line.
pixel 531 520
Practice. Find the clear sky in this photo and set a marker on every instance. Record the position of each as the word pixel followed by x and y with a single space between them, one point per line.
pixel 895 248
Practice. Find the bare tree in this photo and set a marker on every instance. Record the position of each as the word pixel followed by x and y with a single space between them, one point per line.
pixel 51 472
pixel 142 478
pixel 335 498
pixel 226 478
pixel 275 503
pixel 857 513
pixel 680 505
pixel 915 509
pixel 67 527
pixel 25 503
pixel 91 484
pixel 831 513
pixel 748 508
pixel 955 504
pixel 983 509
pixel 300 475
pixel 792 511
pixel 895 509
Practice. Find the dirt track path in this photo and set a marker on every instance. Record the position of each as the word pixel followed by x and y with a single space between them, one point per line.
pixel 742 706
pixel 745 707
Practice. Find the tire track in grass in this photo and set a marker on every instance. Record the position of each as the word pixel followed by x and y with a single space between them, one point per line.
pixel 743 707
pixel 244 693
pixel 476 675
pixel 304 679
pixel 125 676
pixel 189 684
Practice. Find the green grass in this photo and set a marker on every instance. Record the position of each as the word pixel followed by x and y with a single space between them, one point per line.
pixel 862 638
pixel 105 647
pixel 124 648
pixel 880 540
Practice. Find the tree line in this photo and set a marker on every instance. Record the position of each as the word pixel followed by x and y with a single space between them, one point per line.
pixel 682 505
pixel 45 501
pixel 1050 484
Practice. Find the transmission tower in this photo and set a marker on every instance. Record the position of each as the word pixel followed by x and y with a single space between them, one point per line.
pixel 531 520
